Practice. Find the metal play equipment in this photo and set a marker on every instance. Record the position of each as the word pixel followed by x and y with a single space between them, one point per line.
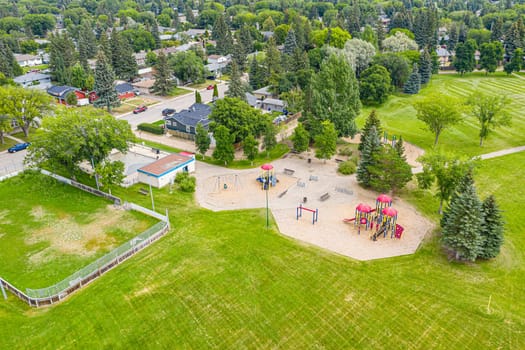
pixel 383 201
pixel 386 223
pixel 267 177
pixel 315 213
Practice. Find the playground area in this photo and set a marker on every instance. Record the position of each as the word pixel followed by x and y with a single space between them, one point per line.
pixel 326 198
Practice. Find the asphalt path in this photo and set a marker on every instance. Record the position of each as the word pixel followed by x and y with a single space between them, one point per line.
pixel 11 162
pixel 154 113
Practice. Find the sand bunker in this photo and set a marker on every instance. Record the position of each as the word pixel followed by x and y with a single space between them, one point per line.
pixel 311 181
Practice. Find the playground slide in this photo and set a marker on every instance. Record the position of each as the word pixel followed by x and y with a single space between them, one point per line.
pixel 349 220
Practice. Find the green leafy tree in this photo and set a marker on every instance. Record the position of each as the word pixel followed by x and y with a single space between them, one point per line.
pixel 300 138
pixel 269 137
pixel 490 112
pixel 462 221
pixel 185 182
pixel 425 67
pixel 272 59
pixel 413 84
pixel 215 92
pixel 71 99
pixel 372 121
pixel 490 55
pixel 390 171
pixel 250 147
pixel 375 85
pixel 202 139
pixel 397 65
pixel 5 120
pixel 371 146
pixel 86 43
pixel 334 97
pixel 438 112
pixel 105 84
pixel 442 170
pixel 326 141
pixel 39 24
pixel 464 60
pixel 224 139
pixel 110 173
pixel 78 76
pixel 188 67
pixel 238 117
pixel 516 62
pixel 74 136
pixel 222 36
pixel 163 80
pixel 492 228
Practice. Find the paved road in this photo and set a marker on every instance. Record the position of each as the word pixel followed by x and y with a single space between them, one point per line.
pixel 154 113
pixel 11 162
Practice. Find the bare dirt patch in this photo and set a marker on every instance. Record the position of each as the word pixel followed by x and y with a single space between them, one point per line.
pixel 67 236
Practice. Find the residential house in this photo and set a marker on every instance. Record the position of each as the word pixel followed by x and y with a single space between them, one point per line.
pixel 34 80
pixel 61 92
pixel 218 59
pixel 125 90
pixel 444 56
pixel 186 120
pixel 163 171
pixel 28 60
pixel 252 100
pixel 273 104
pixel 263 93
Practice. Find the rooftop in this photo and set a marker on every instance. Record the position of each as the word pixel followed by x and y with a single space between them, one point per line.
pixel 165 164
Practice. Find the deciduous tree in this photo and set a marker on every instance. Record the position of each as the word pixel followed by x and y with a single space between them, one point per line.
pixel 326 141
pixel 250 147
pixel 375 85
pixel 224 139
pixel 202 139
pixel 300 138
pixel 490 112
pixel 163 76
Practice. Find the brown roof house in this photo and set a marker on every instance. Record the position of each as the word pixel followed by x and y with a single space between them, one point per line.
pixel 163 171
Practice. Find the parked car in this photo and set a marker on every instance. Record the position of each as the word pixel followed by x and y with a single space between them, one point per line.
pixel 209 87
pixel 140 109
pixel 280 119
pixel 18 147
pixel 167 111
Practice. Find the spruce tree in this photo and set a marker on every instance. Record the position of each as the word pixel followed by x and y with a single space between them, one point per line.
pixel 256 74
pixel 462 221
pixel 105 84
pixel 425 67
pixel 222 36
pixel 290 43
pixel 123 61
pixel 400 148
pixel 390 172
pixel 413 83
pixel 8 65
pixel 156 36
pixel 371 147
pixel 163 74
pixel 235 87
pixel 491 229
pixel 87 44
pixel 105 46
pixel 239 56
pixel 371 121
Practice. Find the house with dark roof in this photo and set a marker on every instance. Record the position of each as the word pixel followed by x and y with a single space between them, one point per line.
pixel 125 90
pixel 61 92
pixel 163 171
pixel 186 120
pixel 34 80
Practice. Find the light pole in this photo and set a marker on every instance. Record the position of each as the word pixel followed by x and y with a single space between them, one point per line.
pixel 151 194
pixel 267 188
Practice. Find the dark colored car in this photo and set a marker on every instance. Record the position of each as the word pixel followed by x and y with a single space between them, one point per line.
pixel 18 147
pixel 139 109
pixel 209 87
pixel 167 111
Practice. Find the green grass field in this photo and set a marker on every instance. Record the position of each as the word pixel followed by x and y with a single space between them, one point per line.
pixel 399 117
pixel 49 230
pixel 221 280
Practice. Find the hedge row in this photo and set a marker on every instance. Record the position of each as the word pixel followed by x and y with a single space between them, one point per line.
pixel 152 128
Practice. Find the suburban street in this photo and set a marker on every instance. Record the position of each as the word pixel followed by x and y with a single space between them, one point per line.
pixel 154 113
pixel 11 162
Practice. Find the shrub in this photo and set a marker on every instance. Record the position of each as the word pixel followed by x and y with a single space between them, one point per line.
pixel 346 151
pixel 185 182
pixel 152 128
pixel 347 168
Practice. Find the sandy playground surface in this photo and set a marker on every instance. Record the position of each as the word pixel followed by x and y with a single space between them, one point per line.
pixel 311 180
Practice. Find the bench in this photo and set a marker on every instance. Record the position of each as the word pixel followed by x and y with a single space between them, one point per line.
pixel 289 171
pixel 144 191
pixel 314 178
pixel 325 197
pixel 282 194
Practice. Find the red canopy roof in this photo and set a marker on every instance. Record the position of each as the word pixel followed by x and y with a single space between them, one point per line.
pixel 389 211
pixel 266 167
pixel 363 208
pixel 383 198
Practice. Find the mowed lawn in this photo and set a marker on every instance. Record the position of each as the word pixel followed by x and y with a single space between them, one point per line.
pixel 399 117
pixel 49 230
pixel 221 280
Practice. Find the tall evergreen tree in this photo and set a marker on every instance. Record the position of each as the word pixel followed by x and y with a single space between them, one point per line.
pixel 413 84
pixel 290 43
pixel 400 148
pixel 256 74
pixel 123 62
pixel 491 229
pixel 452 37
pixel 8 65
pixel 246 39
pixel 105 84
pixel 272 60
pixel 390 172
pixel 380 33
pixel 163 76
pixel 156 35
pixel 371 147
pixel 425 66
pixel 496 30
pixel 222 36
pixel 105 46
pixel 235 86
pixel 62 57
pixel 87 44
pixel 372 121
pixel 239 56
pixel 462 221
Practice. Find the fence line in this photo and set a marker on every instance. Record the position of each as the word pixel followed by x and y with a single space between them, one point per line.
pixel 60 290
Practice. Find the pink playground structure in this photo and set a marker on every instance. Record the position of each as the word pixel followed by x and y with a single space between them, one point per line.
pixel 383 216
